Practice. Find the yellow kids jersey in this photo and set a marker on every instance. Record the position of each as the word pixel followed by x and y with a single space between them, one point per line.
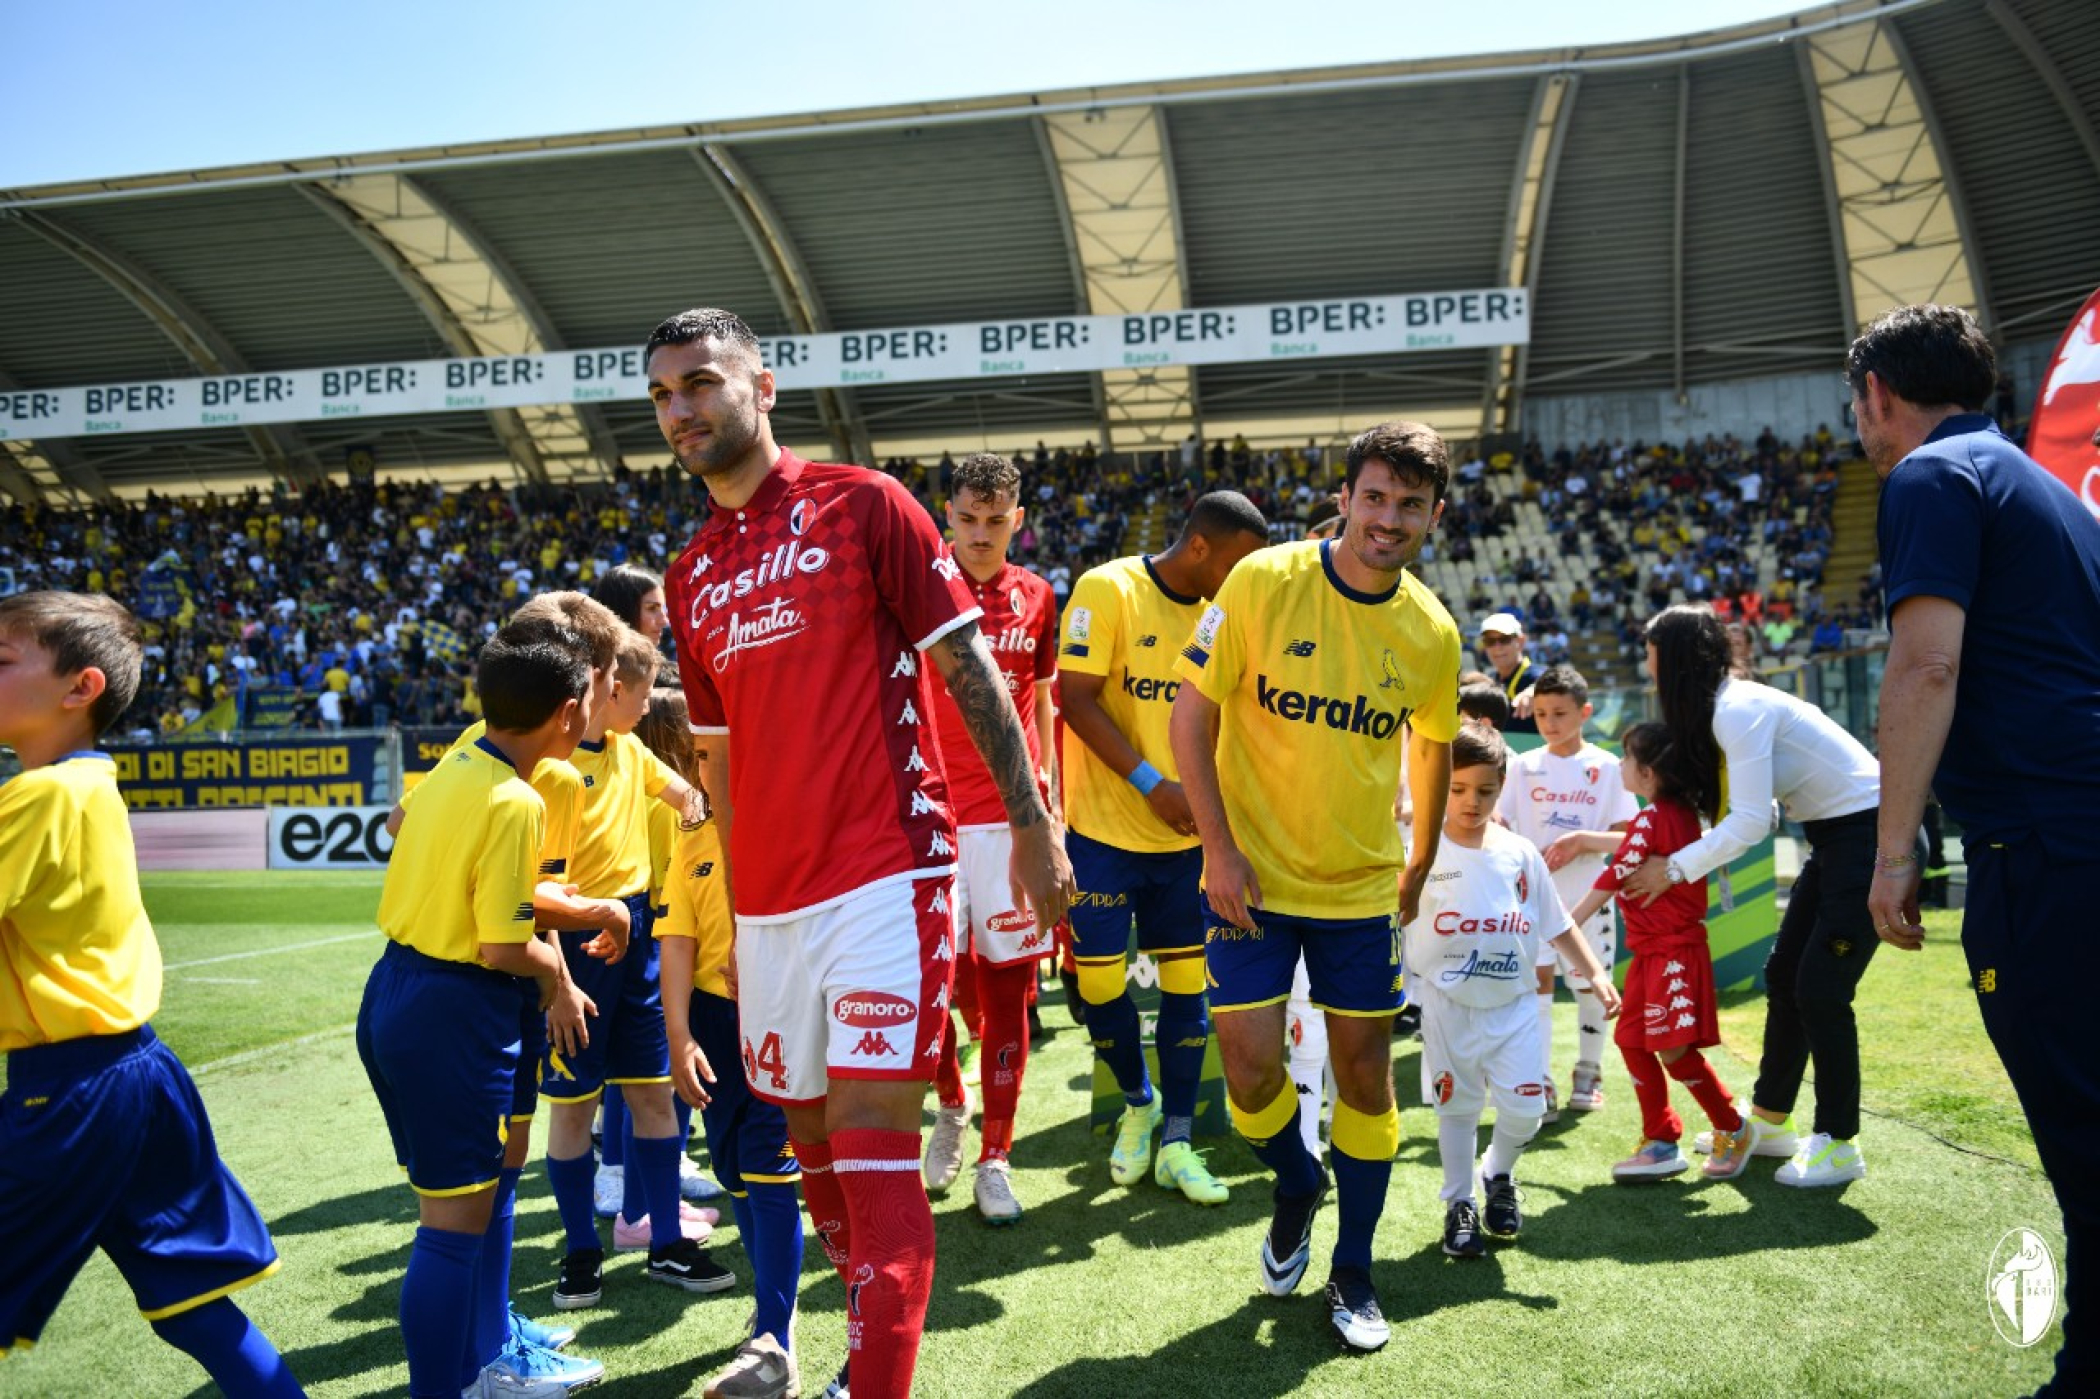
pixel 463 869
pixel 620 777
pixel 79 952
pixel 1123 624
pixel 663 846
pixel 1314 682
pixel 560 787
pixel 698 905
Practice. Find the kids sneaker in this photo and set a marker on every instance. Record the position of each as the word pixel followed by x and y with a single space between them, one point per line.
pixel 761 1369
pixel 1823 1160
pixel 538 1333
pixel 696 1184
pixel 1766 1138
pixel 994 1190
pixel 1651 1160
pixel 685 1264
pixel 608 1189
pixel 1462 1230
pixel 694 1223
pixel 1552 1114
pixel 582 1280
pixel 536 1363
pixel 1500 1214
pixel 1587 1094
pixel 1731 1151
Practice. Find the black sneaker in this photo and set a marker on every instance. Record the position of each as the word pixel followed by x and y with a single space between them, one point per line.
pixel 1462 1230
pixel 1502 1217
pixel 1287 1247
pixel 582 1280
pixel 685 1264
pixel 837 1389
pixel 1352 1307
pixel 1407 1024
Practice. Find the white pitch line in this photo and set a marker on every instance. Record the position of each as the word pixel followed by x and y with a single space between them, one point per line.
pixel 267 1051
pixel 269 951
pixel 222 981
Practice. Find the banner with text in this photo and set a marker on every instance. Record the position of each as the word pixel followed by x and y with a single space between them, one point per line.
pixel 317 771
pixel 1284 330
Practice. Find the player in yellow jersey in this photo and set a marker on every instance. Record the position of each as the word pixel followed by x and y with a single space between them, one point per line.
pixel 1131 839
pixel 627 1043
pixel 104 1140
pixel 439 1029
pixel 747 1137
pixel 1315 663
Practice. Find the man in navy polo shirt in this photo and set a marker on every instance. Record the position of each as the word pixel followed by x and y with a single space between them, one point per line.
pixel 1991 697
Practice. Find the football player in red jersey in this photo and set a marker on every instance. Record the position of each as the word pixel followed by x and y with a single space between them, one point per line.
pixel 803 608
pixel 1004 943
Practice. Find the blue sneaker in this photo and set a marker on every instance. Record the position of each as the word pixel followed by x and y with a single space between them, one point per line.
pixel 695 1184
pixel 538 1365
pixel 1651 1160
pixel 539 1333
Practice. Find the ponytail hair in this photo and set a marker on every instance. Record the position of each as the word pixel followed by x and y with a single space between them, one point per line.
pixel 1649 744
pixel 1691 660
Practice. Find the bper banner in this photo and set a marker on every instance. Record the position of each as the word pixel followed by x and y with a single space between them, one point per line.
pixel 1284 330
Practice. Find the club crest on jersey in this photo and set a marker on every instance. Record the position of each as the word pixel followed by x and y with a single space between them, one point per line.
pixel 1019 600
pixel 1390 667
pixel 1523 888
pixel 799 517
pixel 1443 1088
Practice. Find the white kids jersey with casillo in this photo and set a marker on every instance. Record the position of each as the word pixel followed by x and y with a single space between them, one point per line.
pixel 1484 917
pixel 1547 797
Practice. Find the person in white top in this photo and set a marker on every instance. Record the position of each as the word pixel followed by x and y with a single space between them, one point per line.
pixel 1568 800
pixel 1741 745
pixel 1488 910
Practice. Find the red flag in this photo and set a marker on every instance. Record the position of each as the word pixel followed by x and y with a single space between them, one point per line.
pixel 2061 435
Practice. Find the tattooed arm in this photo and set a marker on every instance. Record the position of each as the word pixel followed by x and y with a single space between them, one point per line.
pixel 1041 875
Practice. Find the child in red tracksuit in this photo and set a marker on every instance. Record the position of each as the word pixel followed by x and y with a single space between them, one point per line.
pixel 1669 999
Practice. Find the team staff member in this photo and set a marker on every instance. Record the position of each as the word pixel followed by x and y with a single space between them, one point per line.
pixel 103 1139
pixel 1502 640
pixel 1133 842
pixel 1302 679
pixel 805 611
pixel 1020 622
pixel 1991 698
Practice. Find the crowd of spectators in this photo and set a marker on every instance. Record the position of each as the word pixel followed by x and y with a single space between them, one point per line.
pixel 360 605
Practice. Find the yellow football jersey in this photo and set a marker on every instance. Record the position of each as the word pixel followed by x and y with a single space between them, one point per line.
pixel 560 787
pixel 698 905
pixel 466 860
pixel 1314 681
pixel 663 846
pixel 79 951
pixel 620 777
pixel 1123 624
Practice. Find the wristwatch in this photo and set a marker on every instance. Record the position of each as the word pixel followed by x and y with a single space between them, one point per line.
pixel 1675 871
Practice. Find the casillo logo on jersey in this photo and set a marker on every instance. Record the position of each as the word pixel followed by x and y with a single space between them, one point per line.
pixel 872 1008
pixel 770 622
pixel 1357 717
pixel 1548 797
pixel 1451 922
pixel 1012 639
pixel 778 563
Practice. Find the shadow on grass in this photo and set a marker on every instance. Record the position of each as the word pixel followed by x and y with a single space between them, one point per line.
pixel 389 1204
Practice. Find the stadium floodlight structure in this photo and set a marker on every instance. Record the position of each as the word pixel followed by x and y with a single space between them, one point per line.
pixel 1713 209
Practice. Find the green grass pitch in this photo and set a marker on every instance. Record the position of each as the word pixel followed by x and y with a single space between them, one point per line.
pixel 1678 1288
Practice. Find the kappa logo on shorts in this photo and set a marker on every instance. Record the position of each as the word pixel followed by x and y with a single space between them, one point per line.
pixel 875 1045
pixel 1011 921
pixel 880 1009
pixel 1442 1088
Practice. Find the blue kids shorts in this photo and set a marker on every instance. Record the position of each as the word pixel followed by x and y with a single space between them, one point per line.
pixel 628 1041
pixel 440 1042
pixel 1353 963
pixel 747 1137
pixel 104 1144
pixel 1163 890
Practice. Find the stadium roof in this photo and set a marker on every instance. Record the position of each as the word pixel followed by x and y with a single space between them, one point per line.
pixel 1688 210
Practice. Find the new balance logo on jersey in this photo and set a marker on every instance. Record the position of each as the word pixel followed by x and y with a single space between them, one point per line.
pixel 589 781
pixel 703 869
pixel 874 1044
pixel 1148 641
pixel 1357 717
pixel 1298 648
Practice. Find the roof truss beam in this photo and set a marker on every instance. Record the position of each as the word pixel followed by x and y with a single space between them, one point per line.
pixel 793 286
pixel 1524 238
pixel 281 448
pixel 1113 170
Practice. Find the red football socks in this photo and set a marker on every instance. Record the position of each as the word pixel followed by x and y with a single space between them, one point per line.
pixel 1003 993
pixel 1659 1121
pixel 827 1203
pixel 1694 1073
pixel 890 1274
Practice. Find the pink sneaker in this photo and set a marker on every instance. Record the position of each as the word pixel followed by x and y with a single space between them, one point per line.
pixel 694 1222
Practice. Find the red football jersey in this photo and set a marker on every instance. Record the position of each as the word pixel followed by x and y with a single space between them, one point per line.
pixel 1020 622
pixel 1665 828
pixel 800 621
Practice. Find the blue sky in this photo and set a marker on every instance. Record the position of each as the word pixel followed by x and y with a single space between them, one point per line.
pixel 100 88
